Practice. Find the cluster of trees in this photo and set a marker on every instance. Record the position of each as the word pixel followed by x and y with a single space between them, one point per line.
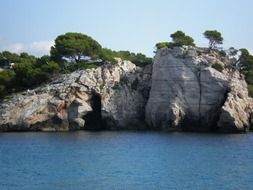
pixel 179 38
pixel 27 72
pixel 80 48
pixel 72 51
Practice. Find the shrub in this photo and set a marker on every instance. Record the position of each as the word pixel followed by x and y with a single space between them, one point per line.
pixel 250 90
pixel 218 67
pixel 161 45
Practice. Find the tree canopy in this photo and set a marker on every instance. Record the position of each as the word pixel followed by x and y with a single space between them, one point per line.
pixel 74 47
pixel 27 71
pixel 215 38
pixel 179 38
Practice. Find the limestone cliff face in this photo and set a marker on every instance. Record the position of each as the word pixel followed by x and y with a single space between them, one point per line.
pixel 180 91
pixel 111 96
pixel 188 94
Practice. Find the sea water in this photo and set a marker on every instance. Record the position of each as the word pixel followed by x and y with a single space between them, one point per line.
pixel 125 161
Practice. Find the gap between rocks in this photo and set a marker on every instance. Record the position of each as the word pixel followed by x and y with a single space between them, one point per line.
pixel 93 119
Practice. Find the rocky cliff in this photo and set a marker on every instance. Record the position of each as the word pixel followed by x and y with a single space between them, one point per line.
pixel 180 91
pixel 188 94
pixel 109 97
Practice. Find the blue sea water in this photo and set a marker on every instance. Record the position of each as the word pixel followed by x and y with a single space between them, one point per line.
pixel 125 161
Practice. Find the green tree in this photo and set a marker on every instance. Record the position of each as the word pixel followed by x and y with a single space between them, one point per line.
pixel 74 46
pixel 179 39
pixel 108 55
pixel 214 38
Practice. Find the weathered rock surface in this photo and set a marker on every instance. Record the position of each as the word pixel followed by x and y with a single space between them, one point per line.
pixel 111 96
pixel 188 94
pixel 236 113
pixel 180 91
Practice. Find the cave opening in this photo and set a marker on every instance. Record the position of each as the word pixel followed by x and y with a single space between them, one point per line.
pixel 93 119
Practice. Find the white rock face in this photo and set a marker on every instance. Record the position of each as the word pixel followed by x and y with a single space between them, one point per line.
pixel 113 95
pixel 187 94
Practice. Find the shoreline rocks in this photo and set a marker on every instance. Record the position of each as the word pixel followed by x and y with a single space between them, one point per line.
pixel 180 91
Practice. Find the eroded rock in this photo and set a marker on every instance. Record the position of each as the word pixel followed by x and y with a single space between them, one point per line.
pixel 188 94
pixel 180 91
pixel 66 103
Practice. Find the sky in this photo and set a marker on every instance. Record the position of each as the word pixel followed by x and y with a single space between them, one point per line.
pixel 135 25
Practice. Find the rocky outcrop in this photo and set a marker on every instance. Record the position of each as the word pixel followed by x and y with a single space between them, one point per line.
pixel 111 96
pixel 188 94
pixel 182 90
pixel 236 113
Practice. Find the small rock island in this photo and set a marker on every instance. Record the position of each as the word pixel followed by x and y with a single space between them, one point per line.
pixel 186 88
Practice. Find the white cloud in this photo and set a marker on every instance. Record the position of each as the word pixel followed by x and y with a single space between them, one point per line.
pixel 37 48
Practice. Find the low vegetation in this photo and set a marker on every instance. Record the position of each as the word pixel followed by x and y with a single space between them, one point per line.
pixel 218 67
